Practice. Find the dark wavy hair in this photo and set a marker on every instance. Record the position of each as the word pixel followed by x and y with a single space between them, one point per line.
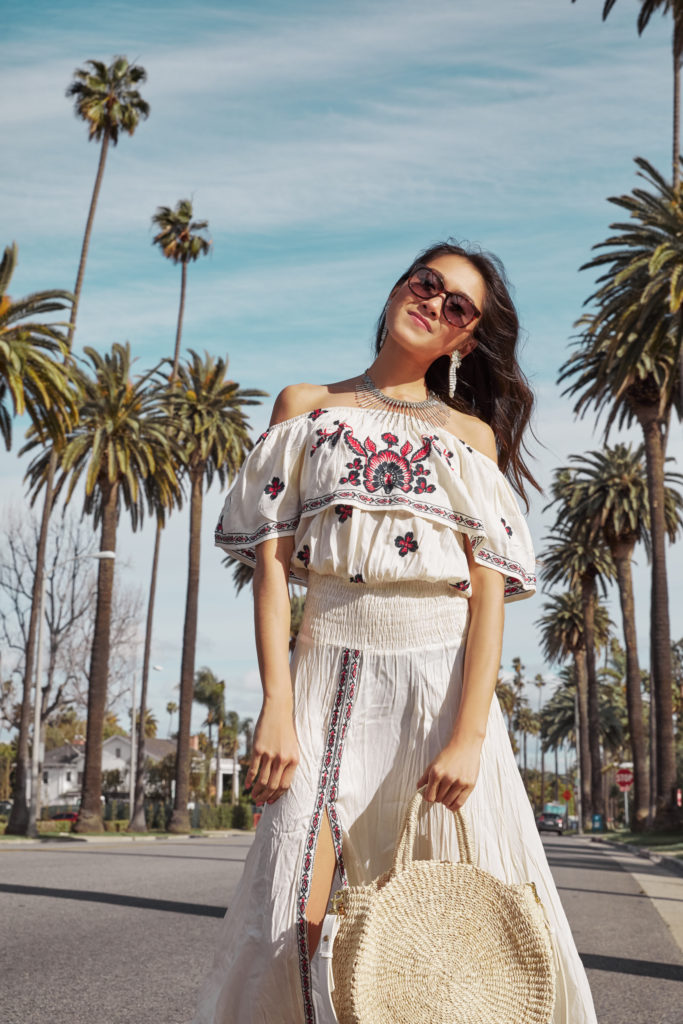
pixel 491 384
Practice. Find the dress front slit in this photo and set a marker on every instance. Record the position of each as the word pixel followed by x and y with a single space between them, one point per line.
pixel 325 802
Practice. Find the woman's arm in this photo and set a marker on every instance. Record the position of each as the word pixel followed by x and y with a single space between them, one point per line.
pixel 452 775
pixel 275 751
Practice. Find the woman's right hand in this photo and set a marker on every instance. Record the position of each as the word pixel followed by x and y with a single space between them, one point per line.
pixel 275 752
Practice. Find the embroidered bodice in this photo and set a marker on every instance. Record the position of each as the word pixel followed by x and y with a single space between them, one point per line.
pixel 375 496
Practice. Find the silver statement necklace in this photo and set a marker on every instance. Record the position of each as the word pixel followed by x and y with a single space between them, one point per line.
pixel 430 410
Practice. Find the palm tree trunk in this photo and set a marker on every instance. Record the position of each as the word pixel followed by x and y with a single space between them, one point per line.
pixel 18 821
pixel 622 552
pixel 90 813
pixel 181 313
pixel 584 751
pixel 219 779
pixel 86 236
pixel 660 633
pixel 17 824
pixel 677 54
pixel 542 776
pixel 138 822
pixel 557 777
pixel 588 604
pixel 180 820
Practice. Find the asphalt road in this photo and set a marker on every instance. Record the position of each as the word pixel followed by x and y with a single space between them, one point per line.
pixel 122 933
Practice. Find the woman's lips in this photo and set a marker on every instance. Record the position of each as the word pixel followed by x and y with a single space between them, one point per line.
pixel 420 320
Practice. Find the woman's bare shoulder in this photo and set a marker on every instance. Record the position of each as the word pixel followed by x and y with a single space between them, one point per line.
pixel 475 432
pixel 296 399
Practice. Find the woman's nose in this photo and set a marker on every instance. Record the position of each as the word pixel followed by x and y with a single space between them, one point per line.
pixel 433 306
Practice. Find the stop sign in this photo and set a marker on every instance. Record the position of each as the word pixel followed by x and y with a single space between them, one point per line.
pixel 567 795
pixel 624 779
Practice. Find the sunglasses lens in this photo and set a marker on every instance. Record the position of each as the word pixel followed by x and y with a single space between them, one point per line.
pixel 458 310
pixel 424 283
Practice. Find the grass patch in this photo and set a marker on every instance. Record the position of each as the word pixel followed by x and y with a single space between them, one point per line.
pixel 670 843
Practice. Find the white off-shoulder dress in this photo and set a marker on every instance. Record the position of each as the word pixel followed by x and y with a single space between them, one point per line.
pixel 378 504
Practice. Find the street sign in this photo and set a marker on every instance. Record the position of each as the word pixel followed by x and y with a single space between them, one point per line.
pixel 624 779
pixel 567 795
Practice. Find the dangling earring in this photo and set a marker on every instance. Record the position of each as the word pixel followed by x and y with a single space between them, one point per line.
pixel 456 360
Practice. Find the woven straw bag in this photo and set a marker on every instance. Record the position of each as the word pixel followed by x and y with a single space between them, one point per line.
pixel 434 942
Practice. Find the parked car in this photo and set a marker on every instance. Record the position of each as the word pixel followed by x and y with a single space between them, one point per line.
pixel 548 822
pixel 64 816
pixel 5 806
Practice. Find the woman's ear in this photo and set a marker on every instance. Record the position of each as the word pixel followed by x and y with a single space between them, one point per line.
pixel 468 346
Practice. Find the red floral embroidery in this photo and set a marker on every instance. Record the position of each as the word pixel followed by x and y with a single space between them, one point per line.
pixel 422 487
pixel 274 488
pixel 406 544
pixel 316 412
pixel 386 470
pixel 344 512
pixel 358 578
pixel 462 585
pixel 304 555
pixel 507 528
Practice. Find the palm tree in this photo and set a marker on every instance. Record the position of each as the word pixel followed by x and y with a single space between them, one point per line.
pixel 178 244
pixel 160 502
pixel 507 698
pixel 151 724
pixel 120 440
pixel 625 364
pixel 614 505
pixel 246 728
pixel 180 240
pixel 518 683
pixel 35 382
pixel 31 375
pixel 107 99
pixel 647 9
pixel 212 433
pixel 527 722
pixel 576 558
pixel 540 682
pixel 171 709
pixel 562 636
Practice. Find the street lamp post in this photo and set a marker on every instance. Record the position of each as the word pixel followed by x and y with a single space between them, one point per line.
pixel 35 751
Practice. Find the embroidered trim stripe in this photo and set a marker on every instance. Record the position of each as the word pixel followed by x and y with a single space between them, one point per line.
pixel 326 795
pixel 449 515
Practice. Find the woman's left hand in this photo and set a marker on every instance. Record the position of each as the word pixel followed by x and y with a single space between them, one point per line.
pixel 452 775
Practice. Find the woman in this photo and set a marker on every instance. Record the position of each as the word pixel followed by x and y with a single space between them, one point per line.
pixel 387 495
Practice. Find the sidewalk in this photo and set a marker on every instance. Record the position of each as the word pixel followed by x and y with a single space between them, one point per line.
pixel 661 882
pixel 116 838
pixel 672 864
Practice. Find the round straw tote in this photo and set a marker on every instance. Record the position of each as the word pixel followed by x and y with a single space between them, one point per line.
pixel 434 942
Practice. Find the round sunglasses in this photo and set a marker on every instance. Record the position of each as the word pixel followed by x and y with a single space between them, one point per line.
pixel 458 309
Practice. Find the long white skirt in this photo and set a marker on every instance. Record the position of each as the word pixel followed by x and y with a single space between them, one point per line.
pixel 377 679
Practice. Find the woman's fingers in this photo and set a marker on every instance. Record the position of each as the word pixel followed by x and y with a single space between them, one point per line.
pixel 274 777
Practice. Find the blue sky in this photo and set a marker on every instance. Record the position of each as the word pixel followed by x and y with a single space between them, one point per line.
pixel 325 144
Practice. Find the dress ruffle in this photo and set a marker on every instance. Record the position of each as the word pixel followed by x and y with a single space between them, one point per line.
pixel 374 496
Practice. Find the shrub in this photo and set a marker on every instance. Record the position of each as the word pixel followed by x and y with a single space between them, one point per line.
pixel 243 816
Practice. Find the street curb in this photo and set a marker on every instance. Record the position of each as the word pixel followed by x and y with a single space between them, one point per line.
pixel 671 864
pixel 119 837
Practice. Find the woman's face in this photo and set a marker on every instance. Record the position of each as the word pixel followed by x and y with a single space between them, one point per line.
pixel 419 325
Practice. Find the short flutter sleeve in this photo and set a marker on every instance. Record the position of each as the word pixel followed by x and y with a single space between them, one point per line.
pixel 264 501
pixel 502 540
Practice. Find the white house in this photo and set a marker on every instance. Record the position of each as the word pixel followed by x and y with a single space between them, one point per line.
pixel 63 767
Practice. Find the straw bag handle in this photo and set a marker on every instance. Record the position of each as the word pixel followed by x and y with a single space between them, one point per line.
pixel 403 854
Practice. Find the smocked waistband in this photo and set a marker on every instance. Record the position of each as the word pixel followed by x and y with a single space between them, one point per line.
pixel 389 617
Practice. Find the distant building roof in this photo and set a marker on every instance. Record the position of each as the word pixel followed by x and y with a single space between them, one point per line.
pixel 66 754
pixel 157 749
